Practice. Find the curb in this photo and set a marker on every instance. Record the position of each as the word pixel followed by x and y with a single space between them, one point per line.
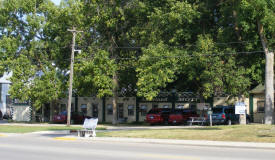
pixel 3 135
pixel 65 138
pixel 203 143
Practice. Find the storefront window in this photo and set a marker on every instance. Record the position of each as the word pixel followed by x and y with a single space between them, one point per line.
pixel 63 107
pixel 72 107
pixel 143 110
pixel 110 109
pixel 130 110
pixel 83 108
pixel 155 106
pixel 260 106
pixel 120 111
pixel 95 110
pixel 180 106
pixel 165 106
pixel 193 106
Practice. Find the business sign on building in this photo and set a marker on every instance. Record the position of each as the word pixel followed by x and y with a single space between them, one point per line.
pixel 176 97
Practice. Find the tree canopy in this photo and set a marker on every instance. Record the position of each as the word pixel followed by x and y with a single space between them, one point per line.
pixel 135 47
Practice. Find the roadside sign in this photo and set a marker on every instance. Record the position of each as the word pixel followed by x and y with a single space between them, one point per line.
pixel 240 108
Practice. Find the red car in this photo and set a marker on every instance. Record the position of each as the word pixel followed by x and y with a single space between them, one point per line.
pixel 158 116
pixel 76 118
pixel 180 116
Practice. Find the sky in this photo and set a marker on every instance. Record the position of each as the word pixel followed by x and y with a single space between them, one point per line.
pixel 56 1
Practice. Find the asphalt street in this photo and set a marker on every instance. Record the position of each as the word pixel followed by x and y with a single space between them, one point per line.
pixel 49 147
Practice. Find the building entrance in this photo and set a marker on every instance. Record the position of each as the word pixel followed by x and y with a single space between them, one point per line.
pixel 120 111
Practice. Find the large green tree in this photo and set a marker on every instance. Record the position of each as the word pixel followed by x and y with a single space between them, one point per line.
pixel 104 64
pixel 180 50
pixel 26 53
pixel 165 32
pixel 257 18
pixel 249 25
pixel 206 47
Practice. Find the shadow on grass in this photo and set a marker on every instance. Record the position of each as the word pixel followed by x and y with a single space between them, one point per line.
pixel 132 124
pixel 203 129
pixel 72 129
pixel 264 136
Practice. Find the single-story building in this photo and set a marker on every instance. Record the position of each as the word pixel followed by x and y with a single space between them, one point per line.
pixel 129 109
pixel 257 103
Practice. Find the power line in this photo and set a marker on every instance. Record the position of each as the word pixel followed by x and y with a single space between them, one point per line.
pixel 183 56
pixel 188 45
pixel 160 57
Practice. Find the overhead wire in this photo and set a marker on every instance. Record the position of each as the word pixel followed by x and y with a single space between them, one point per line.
pixel 183 56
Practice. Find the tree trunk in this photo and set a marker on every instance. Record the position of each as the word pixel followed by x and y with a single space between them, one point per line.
pixel 269 78
pixel 42 113
pixel 114 101
pixel 51 111
pixel 33 114
pixel 269 88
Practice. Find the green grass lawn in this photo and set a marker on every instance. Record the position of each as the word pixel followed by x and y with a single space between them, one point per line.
pixel 248 133
pixel 27 129
pixel 244 133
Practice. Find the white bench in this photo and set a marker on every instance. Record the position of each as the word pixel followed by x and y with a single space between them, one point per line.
pixel 84 133
pixel 89 128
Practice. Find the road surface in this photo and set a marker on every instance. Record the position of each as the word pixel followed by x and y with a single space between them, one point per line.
pixel 47 147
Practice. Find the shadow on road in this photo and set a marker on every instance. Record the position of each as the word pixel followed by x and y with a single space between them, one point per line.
pixel 54 135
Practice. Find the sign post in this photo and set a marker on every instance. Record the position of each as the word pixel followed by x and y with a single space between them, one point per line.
pixel 210 112
pixel 240 109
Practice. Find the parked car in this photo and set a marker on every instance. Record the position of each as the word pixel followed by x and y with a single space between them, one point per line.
pixel 158 116
pixel 179 116
pixel 76 117
pixel 226 115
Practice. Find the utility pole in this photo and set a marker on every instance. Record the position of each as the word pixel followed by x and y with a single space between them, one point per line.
pixel 74 32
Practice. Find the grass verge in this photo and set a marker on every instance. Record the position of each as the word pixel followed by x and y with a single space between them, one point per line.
pixel 27 129
pixel 248 133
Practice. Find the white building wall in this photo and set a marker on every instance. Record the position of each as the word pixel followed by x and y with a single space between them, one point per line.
pixel 125 101
pixel 90 101
pixel 21 113
pixel 4 82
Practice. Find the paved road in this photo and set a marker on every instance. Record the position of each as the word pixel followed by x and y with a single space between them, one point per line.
pixel 46 147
